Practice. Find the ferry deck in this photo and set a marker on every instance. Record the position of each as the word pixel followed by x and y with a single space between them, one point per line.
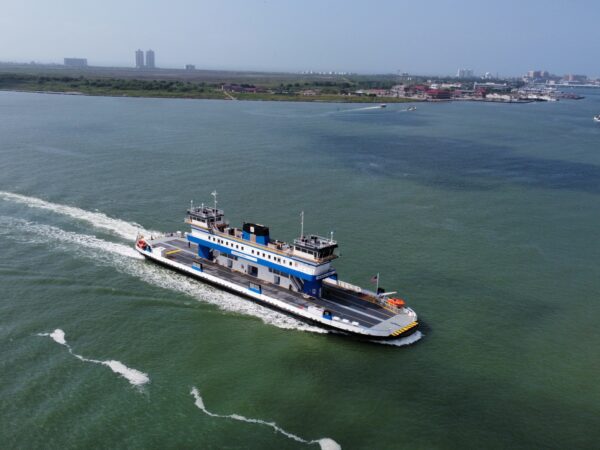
pixel 345 305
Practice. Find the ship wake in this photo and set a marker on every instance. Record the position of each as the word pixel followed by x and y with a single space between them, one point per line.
pixel 404 341
pixel 324 443
pixel 120 256
pixel 135 377
pixel 126 260
pixel 364 108
pixel 121 228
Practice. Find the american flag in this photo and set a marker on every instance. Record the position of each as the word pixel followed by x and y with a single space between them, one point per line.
pixel 375 278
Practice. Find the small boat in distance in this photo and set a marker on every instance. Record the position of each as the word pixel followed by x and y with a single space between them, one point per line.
pixel 597 118
pixel 412 108
pixel 383 105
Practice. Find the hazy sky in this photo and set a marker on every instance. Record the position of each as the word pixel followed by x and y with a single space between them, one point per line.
pixel 429 37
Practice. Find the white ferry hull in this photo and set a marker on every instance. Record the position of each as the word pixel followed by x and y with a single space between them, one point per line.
pixel 274 303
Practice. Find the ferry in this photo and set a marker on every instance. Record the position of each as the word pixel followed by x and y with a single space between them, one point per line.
pixel 296 278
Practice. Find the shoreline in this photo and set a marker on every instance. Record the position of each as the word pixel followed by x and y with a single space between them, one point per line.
pixel 271 98
pixel 356 101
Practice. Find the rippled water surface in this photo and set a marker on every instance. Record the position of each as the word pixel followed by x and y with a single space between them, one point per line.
pixel 484 217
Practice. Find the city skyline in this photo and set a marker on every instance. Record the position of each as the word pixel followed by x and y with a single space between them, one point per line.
pixel 338 36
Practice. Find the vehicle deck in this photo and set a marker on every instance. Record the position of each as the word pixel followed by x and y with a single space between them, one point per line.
pixel 342 303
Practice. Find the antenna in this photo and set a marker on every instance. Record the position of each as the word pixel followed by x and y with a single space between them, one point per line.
pixel 191 205
pixel 301 224
pixel 331 239
pixel 214 194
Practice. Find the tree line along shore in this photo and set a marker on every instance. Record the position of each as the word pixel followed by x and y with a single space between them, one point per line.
pixel 212 85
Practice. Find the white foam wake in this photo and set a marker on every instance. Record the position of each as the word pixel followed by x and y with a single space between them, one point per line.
pixel 364 108
pixel 324 443
pixel 135 377
pixel 402 342
pixel 122 228
pixel 120 257
pixel 35 233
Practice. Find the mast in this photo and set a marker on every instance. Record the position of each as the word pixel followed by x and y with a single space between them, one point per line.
pixel 301 224
pixel 214 194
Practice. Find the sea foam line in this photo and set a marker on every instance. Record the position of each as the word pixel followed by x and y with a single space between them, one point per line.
pixel 122 228
pixel 324 443
pixel 135 377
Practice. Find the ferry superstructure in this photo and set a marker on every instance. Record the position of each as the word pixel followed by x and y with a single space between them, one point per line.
pixel 296 278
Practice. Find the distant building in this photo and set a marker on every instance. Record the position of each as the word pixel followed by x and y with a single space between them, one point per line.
pixel 190 67
pixel 377 93
pixel 576 78
pixel 139 59
pixel 76 62
pixel 464 73
pixel 489 87
pixel 399 90
pixel 438 94
pixel 539 75
pixel 150 59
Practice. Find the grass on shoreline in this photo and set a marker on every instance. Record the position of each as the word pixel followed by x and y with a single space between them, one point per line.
pixel 164 89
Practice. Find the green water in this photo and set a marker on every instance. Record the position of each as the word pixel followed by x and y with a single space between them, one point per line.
pixel 484 218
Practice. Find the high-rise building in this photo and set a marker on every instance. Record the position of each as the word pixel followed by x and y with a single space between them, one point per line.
pixel 464 73
pixel 150 59
pixel 139 59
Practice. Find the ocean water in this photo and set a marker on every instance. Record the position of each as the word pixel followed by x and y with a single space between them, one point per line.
pixel 484 217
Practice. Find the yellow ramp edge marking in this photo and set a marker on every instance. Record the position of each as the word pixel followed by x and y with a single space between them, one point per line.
pixel 407 327
pixel 172 251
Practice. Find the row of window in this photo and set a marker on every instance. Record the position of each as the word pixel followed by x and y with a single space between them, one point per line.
pixel 278 272
pixel 241 247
